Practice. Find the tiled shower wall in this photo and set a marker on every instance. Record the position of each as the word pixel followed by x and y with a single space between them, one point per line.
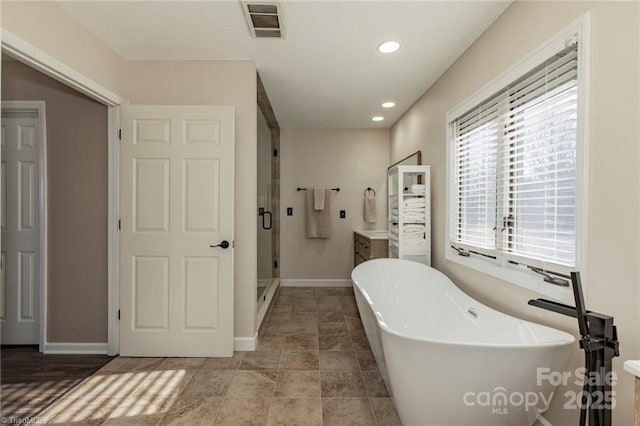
pixel 264 104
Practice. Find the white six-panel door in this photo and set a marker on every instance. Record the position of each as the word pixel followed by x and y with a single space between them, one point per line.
pixel 176 199
pixel 19 217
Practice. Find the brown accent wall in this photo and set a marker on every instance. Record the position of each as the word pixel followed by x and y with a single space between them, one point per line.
pixel 77 203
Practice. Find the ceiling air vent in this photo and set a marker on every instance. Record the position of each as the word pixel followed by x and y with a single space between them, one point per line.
pixel 264 18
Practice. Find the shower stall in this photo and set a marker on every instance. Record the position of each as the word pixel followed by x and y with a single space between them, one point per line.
pixel 267 218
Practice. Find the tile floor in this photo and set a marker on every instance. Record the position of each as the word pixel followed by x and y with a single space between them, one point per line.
pixel 312 366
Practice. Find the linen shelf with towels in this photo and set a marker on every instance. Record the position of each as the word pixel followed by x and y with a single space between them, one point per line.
pixel 409 213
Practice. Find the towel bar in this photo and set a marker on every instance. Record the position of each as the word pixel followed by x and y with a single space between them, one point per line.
pixel 304 189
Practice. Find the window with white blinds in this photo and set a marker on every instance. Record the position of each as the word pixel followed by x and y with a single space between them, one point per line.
pixel 514 166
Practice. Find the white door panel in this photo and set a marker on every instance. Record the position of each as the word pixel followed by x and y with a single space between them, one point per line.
pixel 176 200
pixel 20 207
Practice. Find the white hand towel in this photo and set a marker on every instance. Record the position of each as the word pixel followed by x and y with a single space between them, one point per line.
pixel 370 215
pixel 318 198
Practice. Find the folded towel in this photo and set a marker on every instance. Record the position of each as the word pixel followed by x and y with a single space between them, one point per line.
pixel 318 222
pixel 414 219
pixel 414 202
pixel 413 230
pixel 370 207
pixel 418 189
pixel 413 242
pixel 413 235
pixel 413 210
pixel 318 198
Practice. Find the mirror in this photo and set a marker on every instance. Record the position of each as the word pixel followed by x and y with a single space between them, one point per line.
pixel 414 159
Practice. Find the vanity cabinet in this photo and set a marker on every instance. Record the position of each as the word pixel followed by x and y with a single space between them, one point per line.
pixel 369 245
pixel 633 367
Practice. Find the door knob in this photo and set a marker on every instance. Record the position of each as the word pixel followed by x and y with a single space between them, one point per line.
pixel 224 244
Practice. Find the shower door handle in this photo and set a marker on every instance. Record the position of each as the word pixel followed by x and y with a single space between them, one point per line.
pixel 264 226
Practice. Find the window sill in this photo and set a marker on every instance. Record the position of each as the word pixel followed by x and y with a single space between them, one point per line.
pixel 524 279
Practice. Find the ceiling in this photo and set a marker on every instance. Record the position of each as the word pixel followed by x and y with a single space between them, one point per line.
pixel 327 72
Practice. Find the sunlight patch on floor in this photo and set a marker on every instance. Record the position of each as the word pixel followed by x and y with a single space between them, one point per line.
pixel 116 395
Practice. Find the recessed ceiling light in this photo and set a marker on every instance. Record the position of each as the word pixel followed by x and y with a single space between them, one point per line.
pixel 388 105
pixel 388 46
pixel 377 118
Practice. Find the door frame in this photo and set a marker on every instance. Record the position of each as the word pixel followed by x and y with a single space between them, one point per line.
pixel 36 58
pixel 40 109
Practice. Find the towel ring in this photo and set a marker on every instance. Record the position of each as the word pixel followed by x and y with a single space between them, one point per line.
pixel 370 189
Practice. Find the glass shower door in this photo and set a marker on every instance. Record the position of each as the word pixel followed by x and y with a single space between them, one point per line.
pixel 265 210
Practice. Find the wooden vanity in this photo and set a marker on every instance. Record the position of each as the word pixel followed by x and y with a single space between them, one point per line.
pixel 633 367
pixel 369 245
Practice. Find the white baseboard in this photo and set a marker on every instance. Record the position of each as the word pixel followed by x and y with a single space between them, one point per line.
pixel 314 283
pixel 245 343
pixel 265 304
pixel 76 348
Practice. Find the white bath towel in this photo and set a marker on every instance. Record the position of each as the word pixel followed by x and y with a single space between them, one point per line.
pixel 414 228
pixel 414 202
pixel 370 215
pixel 414 219
pixel 318 222
pixel 318 198
pixel 408 217
pixel 417 189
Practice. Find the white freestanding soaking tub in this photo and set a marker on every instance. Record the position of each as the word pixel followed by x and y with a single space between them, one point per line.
pixel 448 359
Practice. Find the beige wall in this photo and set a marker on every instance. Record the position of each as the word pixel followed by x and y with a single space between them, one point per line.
pixel 46 26
pixel 613 245
pixel 351 159
pixel 217 83
pixel 77 204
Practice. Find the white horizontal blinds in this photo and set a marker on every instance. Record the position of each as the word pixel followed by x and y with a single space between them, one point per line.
pixel 540 134
pixel 476 159
pixel 515 169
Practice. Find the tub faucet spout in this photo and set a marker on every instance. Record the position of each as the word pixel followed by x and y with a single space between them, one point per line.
pixel 599 340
